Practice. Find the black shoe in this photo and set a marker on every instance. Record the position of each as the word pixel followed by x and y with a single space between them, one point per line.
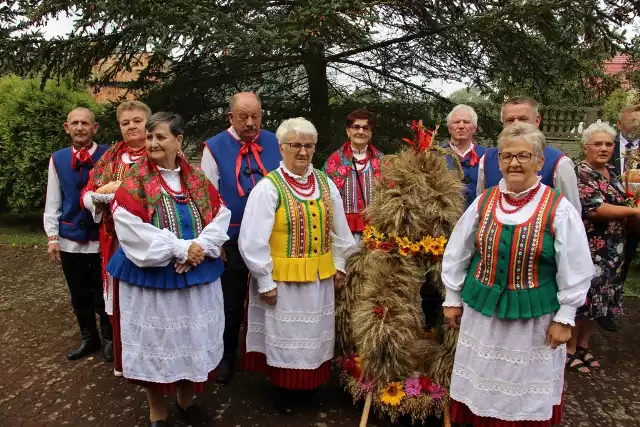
pixel 284 400
pixel 88 334
pixel 107 338
pixel 224 372
pixel 194 415
pixel 107 351
pixel 159 423
pixel 607 323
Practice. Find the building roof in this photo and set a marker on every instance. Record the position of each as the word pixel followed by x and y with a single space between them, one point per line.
pixel 616 64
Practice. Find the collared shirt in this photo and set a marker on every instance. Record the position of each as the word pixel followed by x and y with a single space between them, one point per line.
pixel 623 150
pixel 208 163
pixel 53 210
pixel 461 153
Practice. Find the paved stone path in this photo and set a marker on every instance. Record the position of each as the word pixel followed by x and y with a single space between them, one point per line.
pixel 39 387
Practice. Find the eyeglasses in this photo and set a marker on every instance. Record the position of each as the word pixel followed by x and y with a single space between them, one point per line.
pixel 523 157
pixel 296 146
pixel 600 144
pixel 358 127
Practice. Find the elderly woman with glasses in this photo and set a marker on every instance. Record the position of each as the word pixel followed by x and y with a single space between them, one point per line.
pixel 354 166
pixel 605 216
pixel 171 224
pixel 516 268
pixel 295 241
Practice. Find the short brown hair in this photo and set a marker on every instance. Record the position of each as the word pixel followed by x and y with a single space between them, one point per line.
pixel 132 105
pixel 630 109
pixel 519 100
pixel 362 114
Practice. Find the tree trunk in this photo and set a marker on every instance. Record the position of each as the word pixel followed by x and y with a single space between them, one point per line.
pixel 316 68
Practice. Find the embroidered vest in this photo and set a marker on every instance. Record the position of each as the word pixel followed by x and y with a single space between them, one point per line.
pixel 183 220
pixel 350 193
pixel 513 271
pixel 301 237
pixel 225 149
pixel 492 174
pixel 75 223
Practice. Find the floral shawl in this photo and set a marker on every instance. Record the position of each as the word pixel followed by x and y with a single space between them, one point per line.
pixel 140 191
pixel 339 165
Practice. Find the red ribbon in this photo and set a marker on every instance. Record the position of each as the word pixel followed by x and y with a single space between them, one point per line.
pixel 474 157
pixel 81 158
pixel 244 150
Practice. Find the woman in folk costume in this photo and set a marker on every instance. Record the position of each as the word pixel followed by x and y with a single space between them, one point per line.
pixel 171 225
pixel 104 180
pixel 354 166
pixel 295 240
pixel 516 268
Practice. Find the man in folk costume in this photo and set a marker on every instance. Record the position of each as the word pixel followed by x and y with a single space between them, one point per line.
pixel 73 236
pixel 558 170
pixel 625 141
pixel 295 240
pixel 462 122
pixel 104 180
pixel 354 166
pixel 516 268
pixel 234 161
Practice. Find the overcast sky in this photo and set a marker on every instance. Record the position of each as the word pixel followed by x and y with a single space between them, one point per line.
pixel 64 25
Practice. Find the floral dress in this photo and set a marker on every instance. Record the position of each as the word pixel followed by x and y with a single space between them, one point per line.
pixel 606 241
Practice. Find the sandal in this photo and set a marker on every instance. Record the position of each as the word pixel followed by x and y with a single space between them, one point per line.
pixel 579 367
pixel 588 358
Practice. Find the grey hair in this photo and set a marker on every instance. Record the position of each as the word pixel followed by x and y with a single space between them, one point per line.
pixel 234 99
pixel 596 128
pixel 462 107
pixel 298 126
pixel 175 122
pixel 519 100
pixel 523 132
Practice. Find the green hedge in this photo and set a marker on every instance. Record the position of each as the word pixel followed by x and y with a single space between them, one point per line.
pixel 31 128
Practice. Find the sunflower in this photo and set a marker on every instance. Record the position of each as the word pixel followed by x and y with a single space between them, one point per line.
pixel 427 244
pixel 392 394
pixel 438 244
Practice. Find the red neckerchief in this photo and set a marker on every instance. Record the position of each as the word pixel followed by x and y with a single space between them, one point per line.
pixel 474 156
pixel 81 158
pixel 245 148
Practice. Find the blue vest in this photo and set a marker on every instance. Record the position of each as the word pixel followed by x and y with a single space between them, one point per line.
pixel 492 174
pixel 470 178
pixel 166 278
pixel 225 149
pixel 75 223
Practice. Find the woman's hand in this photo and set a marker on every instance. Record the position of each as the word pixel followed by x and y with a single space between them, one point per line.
pixel 270 297
pixel 196 254
pixel 109 188
pixel 558 334
pixel 452 315
pixel 181 268
pixel 338 279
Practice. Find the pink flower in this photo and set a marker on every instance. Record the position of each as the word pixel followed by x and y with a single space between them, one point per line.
pixel 599 243
pixel 375 164
pixel 366 386
pixel 339 183
pixel 332 165
pixel 344 170
pixel 436 392
pixel 412 387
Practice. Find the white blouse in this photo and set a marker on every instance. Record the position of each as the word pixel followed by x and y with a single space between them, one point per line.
pixel 257 224
pixel 148 246
pixel 573 257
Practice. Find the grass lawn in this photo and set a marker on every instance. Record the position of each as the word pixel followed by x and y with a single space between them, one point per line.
pixel 22 236
pixel 632 285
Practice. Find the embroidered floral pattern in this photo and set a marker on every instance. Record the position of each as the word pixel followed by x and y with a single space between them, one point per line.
pixel 339 166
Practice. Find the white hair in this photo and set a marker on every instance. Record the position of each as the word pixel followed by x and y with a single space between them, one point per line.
pixel 524 132
pixel 462 107
pixel 596 128
pixel 298 126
